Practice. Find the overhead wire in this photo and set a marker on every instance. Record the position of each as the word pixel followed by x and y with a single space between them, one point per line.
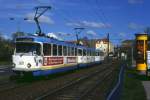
pixel 68 18
pixel 94 12
pixel 101 11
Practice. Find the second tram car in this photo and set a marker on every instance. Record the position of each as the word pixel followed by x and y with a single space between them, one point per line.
pixel 43 56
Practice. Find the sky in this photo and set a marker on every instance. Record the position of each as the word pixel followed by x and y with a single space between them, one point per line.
pixel 120 18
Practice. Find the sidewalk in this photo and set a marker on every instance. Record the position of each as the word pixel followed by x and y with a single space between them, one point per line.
pixel 146 85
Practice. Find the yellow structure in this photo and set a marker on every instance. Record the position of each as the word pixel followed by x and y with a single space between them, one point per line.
pixel 141 48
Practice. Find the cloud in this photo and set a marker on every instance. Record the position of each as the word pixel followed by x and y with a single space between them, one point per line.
pixel 42 19
pixel 89 24
pixel 135 1
pixel 64 34
pixel 6 36
pixel 122 34
pixel 91 32
pixel 135 26
pixel 53 35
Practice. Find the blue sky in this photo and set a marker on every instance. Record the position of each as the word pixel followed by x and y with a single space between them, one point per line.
pixel 121 18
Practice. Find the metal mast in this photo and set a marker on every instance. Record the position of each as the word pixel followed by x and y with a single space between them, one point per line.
pixel 108 46
pixel 78 30
pixel 40 10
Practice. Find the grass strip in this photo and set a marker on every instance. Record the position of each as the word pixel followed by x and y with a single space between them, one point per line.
pixel 133 88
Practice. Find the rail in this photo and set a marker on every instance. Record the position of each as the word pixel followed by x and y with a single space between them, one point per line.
pixel 74 85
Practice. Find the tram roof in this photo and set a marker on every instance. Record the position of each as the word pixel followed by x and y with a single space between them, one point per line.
pixel 49 40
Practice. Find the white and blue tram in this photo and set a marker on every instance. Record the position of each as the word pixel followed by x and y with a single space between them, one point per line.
pixel 43 56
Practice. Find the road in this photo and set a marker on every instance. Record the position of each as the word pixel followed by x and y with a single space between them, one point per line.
pixel 5 70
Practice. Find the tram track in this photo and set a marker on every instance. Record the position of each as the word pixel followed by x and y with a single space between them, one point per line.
pixel 77 89
pixel 100 90
pixel 33 90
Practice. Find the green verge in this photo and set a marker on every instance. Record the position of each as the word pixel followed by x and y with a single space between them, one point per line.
pixel 132 86
pixel 5 62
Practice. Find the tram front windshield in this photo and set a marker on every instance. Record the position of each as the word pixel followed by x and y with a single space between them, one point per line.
pixel 28 48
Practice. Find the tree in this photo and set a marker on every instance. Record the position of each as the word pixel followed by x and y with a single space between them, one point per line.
pixel 16 34
pixel 6 49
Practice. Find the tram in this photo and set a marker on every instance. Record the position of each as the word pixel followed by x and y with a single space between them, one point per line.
pixel 40 55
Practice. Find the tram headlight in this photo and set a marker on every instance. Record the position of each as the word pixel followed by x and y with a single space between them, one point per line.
pixel 28 65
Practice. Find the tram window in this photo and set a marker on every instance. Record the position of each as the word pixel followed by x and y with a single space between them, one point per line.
pixel 79 52
pixel 59 50
pixel 101 53
pixel 68 51
pixel 96 53
pixel 84 52
pixel 47 49
pixel 88 53
pixel 54 50
pixel 65 51
pixel 72 51
pixel 28 48
pixel 92 53
pixel 75 51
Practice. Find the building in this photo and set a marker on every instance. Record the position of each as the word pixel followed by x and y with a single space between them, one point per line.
pixel 102 45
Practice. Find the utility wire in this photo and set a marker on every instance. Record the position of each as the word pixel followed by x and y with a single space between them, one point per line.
pixel 66 17
pixel 95 13
pixel 100 10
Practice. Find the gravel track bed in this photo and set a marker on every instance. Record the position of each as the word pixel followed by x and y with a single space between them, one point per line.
pixel 101 91
pixel 35 89
pixel 80 88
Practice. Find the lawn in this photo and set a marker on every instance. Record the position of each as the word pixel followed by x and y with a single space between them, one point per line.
pixel 132 87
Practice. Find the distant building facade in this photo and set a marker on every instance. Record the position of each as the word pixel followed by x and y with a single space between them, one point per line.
pixel 102 45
